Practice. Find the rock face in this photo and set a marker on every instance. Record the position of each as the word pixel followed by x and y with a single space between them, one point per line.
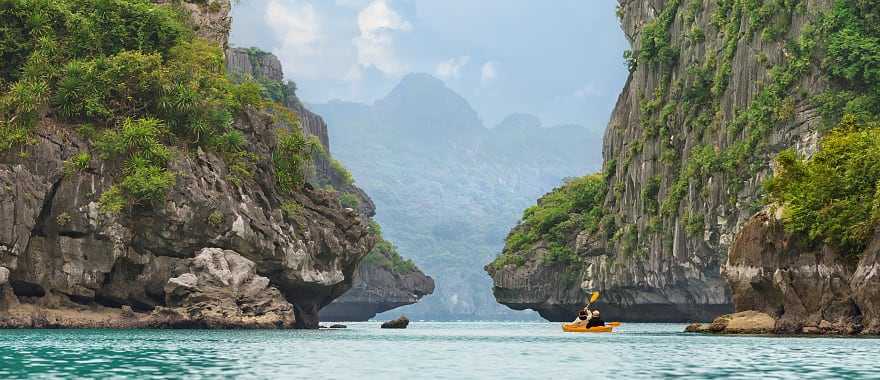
pixel 377 289
pixel 222 289
pixel 682 173
pixel 209 18
pixel 252 63
pixel 70 264
pixel 805 287
pixel 56 243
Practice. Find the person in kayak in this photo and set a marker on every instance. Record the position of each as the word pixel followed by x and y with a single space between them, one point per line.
pixel 582 318
pixel 596 320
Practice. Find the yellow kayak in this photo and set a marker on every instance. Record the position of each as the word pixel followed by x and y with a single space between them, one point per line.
pixel 609 327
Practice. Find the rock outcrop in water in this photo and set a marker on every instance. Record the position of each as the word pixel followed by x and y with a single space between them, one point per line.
pixel 378 288
pixel 218 252
pixel 716 90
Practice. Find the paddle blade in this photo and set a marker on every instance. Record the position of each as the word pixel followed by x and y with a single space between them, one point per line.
pixel 594 297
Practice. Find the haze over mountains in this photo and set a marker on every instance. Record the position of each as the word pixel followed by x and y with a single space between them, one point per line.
pixel 447 188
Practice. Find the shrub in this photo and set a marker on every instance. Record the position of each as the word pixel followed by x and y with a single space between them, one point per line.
pixel 385 254
pixel 349 200
pixel 112 201
pixel 135 74
pixel 78 163
pixel 145 183
pixel 833 197
pixel 343 173
pixel 291 157
pixel 291 209
pixel 560 214
pixel 215 218
pixel 63 219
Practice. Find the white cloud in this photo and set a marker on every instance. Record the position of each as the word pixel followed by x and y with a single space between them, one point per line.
pixel 451 68
pixel 357 4
pixel 375 43
pixel 488 73
pixel 589 90
pixel 299 29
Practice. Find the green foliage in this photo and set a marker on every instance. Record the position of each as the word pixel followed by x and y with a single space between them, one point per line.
pixel 834 196
pixel 694 225
pixel 112 201
pixel 291 209
pixel 558 216
pixel 291 158
pixel 349 200
pixel 649 195
pixel 655 38
pixel 560 254
pixel 215 218
pixel 133 73
pixel 145 179
pixel 145 183
pixel 340 170
pixel 506 259
pixel 78 163
pixel 385 254
pixel 63 219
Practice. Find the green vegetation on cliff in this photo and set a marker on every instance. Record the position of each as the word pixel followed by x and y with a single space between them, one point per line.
pixel 384 254
pixel 834 196
pixel 135 78
pixel 557 218
pixel 702 142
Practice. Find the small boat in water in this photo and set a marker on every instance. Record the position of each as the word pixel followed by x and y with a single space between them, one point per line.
pixel 609 327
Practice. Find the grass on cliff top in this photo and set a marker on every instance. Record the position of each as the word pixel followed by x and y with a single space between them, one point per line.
pixel 134 76
pixel 384 254
pixel 556 219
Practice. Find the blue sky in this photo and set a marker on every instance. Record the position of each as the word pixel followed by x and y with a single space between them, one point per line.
pixel 560 60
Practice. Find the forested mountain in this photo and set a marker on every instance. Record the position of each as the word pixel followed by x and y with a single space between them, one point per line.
pixel 446 187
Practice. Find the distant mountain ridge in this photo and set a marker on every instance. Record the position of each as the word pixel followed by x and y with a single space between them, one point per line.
pixel 447 187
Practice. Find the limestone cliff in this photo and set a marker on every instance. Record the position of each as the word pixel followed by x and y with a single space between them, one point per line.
pixel 221 249
pixel 377 287
pixel 266 68
pixel 716 90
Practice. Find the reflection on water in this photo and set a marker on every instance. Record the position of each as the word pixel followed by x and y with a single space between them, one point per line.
pixel 430 350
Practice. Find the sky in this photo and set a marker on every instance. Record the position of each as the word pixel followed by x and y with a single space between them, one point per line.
pixel 560 60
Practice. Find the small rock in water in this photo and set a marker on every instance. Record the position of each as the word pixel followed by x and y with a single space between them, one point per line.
pixel 399 323
pixel 338 326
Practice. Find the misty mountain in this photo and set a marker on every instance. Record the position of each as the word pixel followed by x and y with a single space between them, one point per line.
pixel 447 188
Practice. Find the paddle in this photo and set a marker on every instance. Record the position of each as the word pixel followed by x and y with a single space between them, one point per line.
pixel 593 298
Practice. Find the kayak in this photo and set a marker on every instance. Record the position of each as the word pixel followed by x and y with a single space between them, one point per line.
pixel 609 327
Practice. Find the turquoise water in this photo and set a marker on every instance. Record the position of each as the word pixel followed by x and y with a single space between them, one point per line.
pixel 443 350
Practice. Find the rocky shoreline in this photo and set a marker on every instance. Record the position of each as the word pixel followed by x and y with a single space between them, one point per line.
pixel 783 283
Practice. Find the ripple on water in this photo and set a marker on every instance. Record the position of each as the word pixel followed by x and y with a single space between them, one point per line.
pixel 430 350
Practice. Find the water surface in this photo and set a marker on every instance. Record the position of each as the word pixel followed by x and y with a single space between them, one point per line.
pixel 431 350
